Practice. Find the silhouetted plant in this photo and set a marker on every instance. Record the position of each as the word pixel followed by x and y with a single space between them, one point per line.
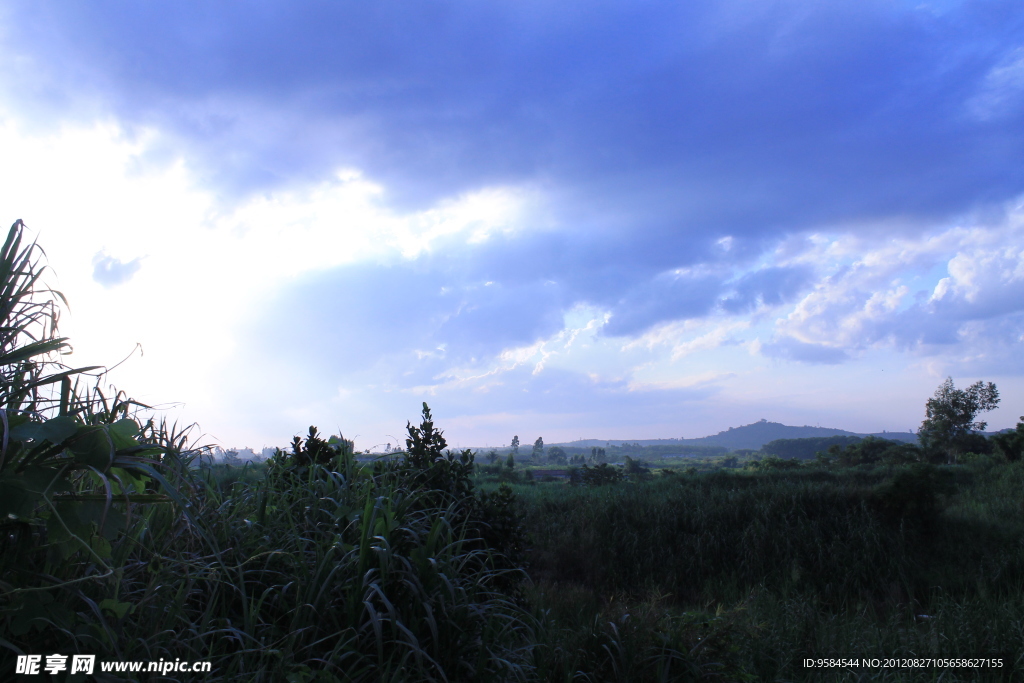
pixel 599 475
pixel 1010 444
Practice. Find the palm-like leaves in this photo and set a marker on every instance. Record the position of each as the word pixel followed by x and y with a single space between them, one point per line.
pixel 29 313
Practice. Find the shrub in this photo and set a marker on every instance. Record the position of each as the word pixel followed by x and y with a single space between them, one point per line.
pixel 599 475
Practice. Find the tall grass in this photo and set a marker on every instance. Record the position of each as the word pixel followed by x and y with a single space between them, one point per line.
pixel 788 565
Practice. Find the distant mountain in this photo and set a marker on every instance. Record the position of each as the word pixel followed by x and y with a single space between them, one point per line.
pixel 751 436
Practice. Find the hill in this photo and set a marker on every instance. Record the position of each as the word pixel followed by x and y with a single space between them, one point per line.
pixel 751 436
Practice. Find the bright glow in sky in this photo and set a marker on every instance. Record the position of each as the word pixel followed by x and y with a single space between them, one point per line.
pixel 635 222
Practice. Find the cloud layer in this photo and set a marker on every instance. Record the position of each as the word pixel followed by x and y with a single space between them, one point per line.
pixel 613 209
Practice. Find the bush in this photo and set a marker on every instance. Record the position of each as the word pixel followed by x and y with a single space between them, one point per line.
pixel 1010 445
pixel 599 475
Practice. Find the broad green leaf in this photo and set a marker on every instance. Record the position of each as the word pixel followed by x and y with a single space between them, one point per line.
pixel 118 609
pixel 126 428
pixel 56 430
pixel 59 429
pixel 130 481
pixel 94 449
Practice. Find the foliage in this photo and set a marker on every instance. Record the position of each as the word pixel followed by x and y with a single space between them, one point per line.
pixel 913 493
pixel 872 451
pixel 769 567
pixel 772 463
pixel 636 470
pixel 806 449
pixel 78 472
pixel 1010 444
pixel 556 455
pixel 839 539
pixel 313 451
pixel 323 570
pixel 599 475
pixel 68 460
pixel 950 416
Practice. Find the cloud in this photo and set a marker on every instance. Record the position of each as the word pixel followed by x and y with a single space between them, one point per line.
pixel 931 296
pixel 792 349
pixel 770 286
pixel 710 116
pixel 111 272
pixel 668 296
pixel 417 201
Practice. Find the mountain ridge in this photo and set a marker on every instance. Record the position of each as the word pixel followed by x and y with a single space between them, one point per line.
pixel 751 436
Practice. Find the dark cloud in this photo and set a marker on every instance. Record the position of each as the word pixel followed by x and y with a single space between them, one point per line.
pixel 768 287
pixel 110 272
pixel 652 130
pixel 714 116
pixel 666 297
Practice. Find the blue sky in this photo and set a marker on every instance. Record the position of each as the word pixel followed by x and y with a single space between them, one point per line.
pixel 604 219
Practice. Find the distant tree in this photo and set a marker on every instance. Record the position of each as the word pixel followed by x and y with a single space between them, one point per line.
pixel 510 461
pixel 538 449
pixel 515 445
pixel 770 462
pixel 492 456
pixel 636 469
pixel 805 448
pixel 556 455
pixel 1011 444
pixel 950 414
pixel 732 461
pixel 870 451
pixel 595 476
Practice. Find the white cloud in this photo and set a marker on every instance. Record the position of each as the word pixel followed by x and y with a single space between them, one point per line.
pixel 912 291
pixel 1001 91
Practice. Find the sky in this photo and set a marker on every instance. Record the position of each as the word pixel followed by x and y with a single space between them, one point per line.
pixel 570 220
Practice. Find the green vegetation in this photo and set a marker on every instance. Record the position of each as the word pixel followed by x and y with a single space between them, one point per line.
pixel 949 425
pixel 429 566
pixel 805 449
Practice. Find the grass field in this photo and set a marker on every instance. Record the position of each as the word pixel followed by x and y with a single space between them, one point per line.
pixel 338 571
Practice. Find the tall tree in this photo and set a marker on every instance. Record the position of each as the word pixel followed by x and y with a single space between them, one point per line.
pixel 538 449
pixel 950 414
pixel 515 445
